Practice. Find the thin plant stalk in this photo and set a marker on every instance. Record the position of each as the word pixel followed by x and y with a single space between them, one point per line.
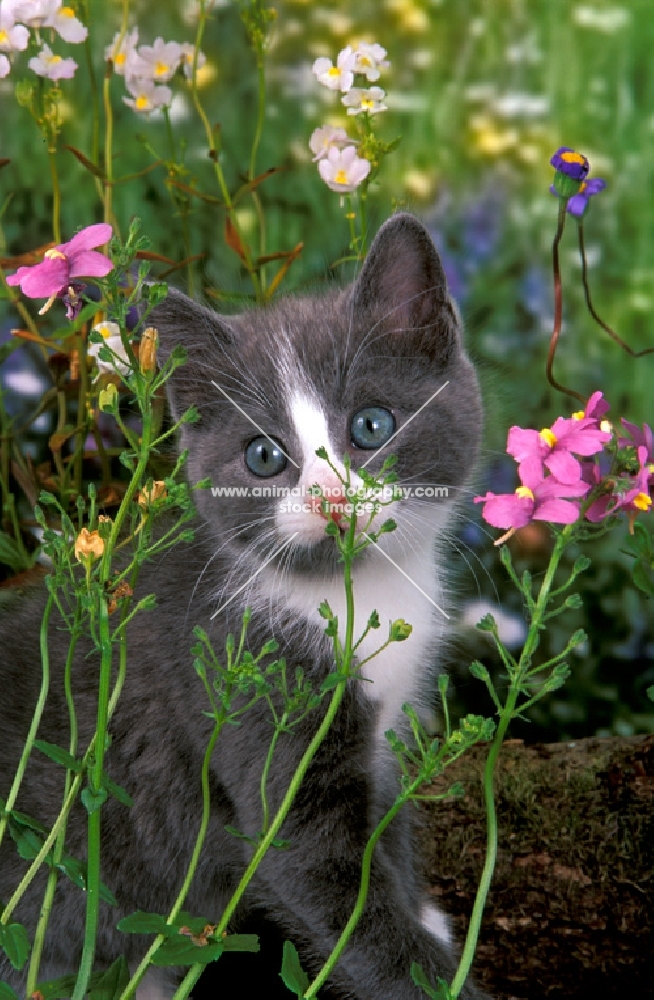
pixel 507 713
pixel 558 306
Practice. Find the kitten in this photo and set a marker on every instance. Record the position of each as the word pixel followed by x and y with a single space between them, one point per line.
pixel 375 369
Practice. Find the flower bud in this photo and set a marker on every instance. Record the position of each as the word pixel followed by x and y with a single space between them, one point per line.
pixel 149 495
pixel 89 546
pixel 148 349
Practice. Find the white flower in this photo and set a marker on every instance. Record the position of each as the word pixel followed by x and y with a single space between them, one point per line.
pixel 13 37
pixel 325 138
pixel 110 332
pixel 146 95
pixel 66 25
pixel 370 59
pixel 52 66
pixel 187 54
pixel 33 13
pixel 342 170
pixel 161 59
pixel 358 101
pixel 119 52
pixel 5 66
pixel 338 77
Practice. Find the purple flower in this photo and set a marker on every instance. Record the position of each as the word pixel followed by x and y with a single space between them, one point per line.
pixel 596 407
pixel 61 265
pixel 538 498
pixel 578 203
pixel 570 163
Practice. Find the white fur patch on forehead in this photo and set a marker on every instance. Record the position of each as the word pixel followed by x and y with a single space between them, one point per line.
pixel 311 426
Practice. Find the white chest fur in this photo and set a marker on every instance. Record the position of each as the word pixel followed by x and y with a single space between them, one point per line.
pixel 400 673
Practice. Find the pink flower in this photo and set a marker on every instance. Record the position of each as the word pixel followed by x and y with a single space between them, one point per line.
pixel 556 446
pixel 633 500
pixel 538 498
pixel 63 264
pixel 638 438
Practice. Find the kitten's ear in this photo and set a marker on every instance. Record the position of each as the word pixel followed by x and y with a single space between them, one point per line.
pixel 402 276
pixel 206 338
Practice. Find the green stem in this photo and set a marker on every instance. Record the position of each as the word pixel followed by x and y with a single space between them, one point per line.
pixel 196 970
pixel 94 820
pixel 144 965
pixel 266 771
pixel 558 306
pixel 506 715
pixel 362 896
pixel 46 907
pixel 56 196
pixel 36 721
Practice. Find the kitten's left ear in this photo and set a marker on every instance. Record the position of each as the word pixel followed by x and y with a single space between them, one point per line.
pixel 402 276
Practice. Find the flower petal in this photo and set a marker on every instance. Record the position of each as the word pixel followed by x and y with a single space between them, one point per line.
pixel 42 280
pixel 87 239
pixel 89 264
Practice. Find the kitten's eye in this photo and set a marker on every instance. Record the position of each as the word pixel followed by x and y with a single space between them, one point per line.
pixel 264 458
pixel 372 427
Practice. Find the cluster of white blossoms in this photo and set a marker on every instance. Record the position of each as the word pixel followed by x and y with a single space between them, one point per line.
pixel 148 68
pixel 16 19
pixel 335 153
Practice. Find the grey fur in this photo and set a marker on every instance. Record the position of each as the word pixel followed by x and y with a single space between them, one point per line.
pixel 390 339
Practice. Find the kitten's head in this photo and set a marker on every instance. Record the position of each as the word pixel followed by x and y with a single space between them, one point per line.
pixel 374 370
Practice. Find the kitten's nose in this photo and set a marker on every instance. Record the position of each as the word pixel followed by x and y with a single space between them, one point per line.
pixel 331 504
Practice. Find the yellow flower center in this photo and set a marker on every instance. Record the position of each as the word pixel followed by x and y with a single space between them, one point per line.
pixel 66 12
pixel 367 103
pixel 4 37
pixel 606 426
pixel 104 331
pixel 142 103
pixel 524 493
pixel 120 59
pixel 333 71
pixel 53 60
pixel 340 177
pixel 548 437
pixel 572 157
pixel 578 415
pixel 365 60
pixel 161 68
pixel 54 254
pixel 642 501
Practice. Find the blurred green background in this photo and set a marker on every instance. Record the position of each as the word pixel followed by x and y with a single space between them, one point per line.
pixel 482 94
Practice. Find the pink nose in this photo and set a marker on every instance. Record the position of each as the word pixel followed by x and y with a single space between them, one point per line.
pixel 330 504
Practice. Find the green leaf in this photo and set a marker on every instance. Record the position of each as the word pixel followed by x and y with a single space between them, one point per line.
pixel 293 975
pixel 28 842
pixel 180 950
pixel 15 944
pixel 325 611
pixel 241 942
pixel 117 791
pixel 76 871
pixel 650 692
pixel 488 623
pixel 242 836
pixel 642 577
pixel 112 982
pixel 6 992
pixel 330 682
pixel 93 800
pixel 420 979
pixel 59 755
pixel 145 923
pixel 63 987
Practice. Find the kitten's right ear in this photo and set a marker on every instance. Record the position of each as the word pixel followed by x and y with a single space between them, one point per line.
pixel 402 276
pixel 206 338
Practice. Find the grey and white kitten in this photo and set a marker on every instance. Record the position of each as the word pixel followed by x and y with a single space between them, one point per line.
pixel 348 371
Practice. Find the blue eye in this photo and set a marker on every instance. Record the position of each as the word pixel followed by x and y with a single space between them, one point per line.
pixel 264 458
pixel 372 427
